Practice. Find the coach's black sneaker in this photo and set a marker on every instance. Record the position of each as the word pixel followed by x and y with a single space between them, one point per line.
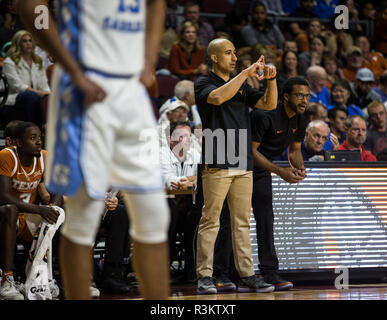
pixel 206 286
pixel 279 283
pixel 223 284
pixel 253 284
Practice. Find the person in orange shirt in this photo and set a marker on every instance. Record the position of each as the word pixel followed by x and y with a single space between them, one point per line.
pixel 354 57
pixel 371 59
pixel 21 172
pixel 187 58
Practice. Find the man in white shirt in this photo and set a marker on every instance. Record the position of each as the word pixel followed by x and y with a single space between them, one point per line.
pixel 179 162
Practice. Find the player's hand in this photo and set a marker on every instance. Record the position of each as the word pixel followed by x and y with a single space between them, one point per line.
pixel 49 214
pixel 335 141
pixel 92 91
pixel 112 204
pixel 290 175
pixel 147 76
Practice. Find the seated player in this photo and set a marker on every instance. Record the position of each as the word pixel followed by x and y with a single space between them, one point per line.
pixel 21 172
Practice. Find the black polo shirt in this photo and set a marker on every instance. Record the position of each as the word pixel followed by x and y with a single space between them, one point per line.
pixel 276 131
pixel 230 119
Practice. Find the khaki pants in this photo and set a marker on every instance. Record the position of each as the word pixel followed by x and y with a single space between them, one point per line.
pixel 237 185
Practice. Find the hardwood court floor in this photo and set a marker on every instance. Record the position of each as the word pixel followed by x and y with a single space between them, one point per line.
pixel 318 292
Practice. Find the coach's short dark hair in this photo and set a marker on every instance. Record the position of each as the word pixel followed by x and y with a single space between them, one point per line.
pixel 291 82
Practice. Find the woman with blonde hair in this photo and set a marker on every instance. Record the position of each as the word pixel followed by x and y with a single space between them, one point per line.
pixel 187 58
pixel 27 79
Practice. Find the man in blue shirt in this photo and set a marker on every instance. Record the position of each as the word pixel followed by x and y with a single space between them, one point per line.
pixel 317 78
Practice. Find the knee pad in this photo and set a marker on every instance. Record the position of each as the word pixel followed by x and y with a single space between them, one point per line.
pixel 83 217
pixel 149 216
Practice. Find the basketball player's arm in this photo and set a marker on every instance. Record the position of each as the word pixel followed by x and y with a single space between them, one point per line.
pixel 295 158
pixel 50 41
pixel 155 16
pixel 288 174
pixel 6 197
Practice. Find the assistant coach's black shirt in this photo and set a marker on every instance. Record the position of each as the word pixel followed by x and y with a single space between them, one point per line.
pixel 230 119
pixel 276 131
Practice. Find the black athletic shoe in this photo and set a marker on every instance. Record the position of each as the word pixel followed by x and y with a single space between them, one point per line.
pixel 279 283
pixel 253 284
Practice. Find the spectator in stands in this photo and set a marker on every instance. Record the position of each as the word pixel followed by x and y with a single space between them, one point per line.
pixel 377 130
pixel 192 13
pixel 172 110
pixel 289 45
pixel 317 77
pixel 371 59
pixel 184 91
pixel 289 68
pixel 316 111
pixel 368 11
pixel 336 117
pixel 18 190
pixel 174 14
pixel 381 89
pixel 115 224
pixel 361 89
pixel 316 135
pixel 11 21
pixel 234 22
pixel 354 58
pixel 187 58
pixel 179 161
pixel 261 30
pixel 304 11
pixel 341 95
pixel 27 80
pixel 179 164
pixel 380 29
pixel 303 38
pixel 314 56
pixel 168 38
pixel 356 129
pixel 264 50
pixel 334 73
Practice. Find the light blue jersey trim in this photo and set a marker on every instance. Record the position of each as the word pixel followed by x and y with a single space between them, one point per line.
pixel 65 174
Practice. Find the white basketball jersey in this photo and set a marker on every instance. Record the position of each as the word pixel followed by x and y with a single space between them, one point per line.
pixel 106 36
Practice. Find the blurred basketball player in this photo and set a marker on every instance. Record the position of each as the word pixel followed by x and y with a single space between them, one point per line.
pixel 98 113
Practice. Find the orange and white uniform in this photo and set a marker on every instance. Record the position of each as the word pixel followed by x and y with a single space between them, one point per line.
pixel 25 182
